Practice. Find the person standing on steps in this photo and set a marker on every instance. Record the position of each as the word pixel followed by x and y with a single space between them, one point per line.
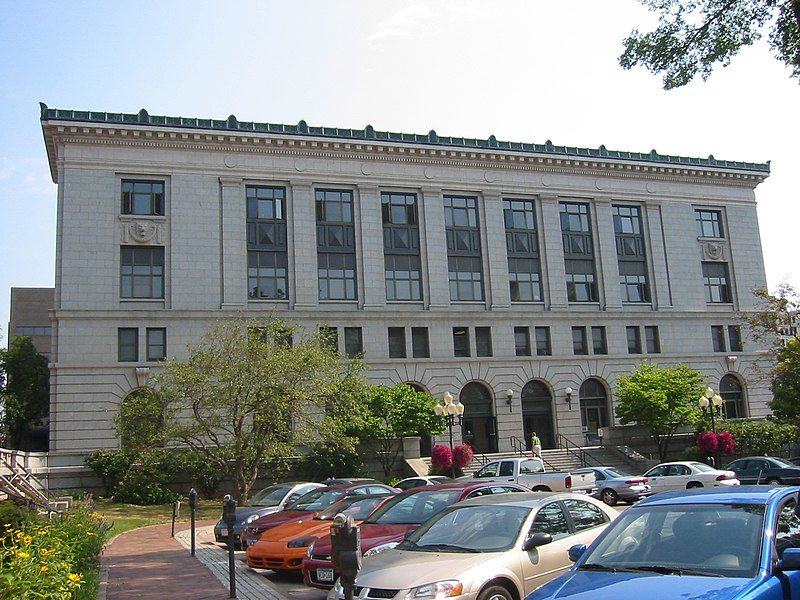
pixel 536 445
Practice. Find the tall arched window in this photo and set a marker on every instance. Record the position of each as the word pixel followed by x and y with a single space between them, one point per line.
pixel 732 393
pixel 594 407
pixel 537 413
pixel 478 427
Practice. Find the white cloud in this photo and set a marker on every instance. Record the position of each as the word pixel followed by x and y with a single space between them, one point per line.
pixel 402 22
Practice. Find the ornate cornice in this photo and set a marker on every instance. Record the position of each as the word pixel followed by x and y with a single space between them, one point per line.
pixel 232 136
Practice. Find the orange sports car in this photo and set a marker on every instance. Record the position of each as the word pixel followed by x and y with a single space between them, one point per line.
pixel 284 547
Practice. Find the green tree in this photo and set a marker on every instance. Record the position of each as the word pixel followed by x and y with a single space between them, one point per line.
pixel 24 391
pixel 660 400
pixel 785 403
pixel 391 413
pixel 756 438
pixel 246 396
pixel 694 35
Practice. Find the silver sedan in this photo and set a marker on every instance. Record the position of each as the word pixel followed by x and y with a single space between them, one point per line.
pixel 614 486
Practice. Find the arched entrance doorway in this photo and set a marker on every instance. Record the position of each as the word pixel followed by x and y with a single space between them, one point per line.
pixel 479 427
pixel 537 413
pixel 732 393
pixel 594 408
pixel 425 438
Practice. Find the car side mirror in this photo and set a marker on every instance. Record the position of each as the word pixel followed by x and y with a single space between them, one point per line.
pixel 576 551
pixel 536 540
pixel 790 560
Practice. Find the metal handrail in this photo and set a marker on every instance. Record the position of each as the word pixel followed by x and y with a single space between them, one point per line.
pixel 518 445
pixel 584 457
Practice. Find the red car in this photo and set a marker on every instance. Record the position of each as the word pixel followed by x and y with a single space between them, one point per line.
pixel 387 526
pixel 308 506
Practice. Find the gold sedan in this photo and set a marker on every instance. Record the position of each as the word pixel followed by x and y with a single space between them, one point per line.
pixel 487 548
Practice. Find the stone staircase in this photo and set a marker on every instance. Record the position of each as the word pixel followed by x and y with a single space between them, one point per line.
pixel 18 482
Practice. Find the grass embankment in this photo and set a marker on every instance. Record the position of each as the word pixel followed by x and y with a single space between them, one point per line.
pixel 125 517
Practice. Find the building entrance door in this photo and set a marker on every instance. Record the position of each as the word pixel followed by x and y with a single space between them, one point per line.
pixel 479 427
pixel 537 414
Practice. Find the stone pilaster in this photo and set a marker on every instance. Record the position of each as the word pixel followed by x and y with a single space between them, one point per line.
pixel 434 249
pixel 496 259
pixel 658 277
pixel 554 275
pixel 606 265
pixel 233 242
pixel 303 245
pixel 370 237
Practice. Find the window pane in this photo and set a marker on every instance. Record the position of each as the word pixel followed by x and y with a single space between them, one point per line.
pixel 353 345
pixel 634 340
pixel 522 342
pixel 156 344
pixel 127 344
pixel 397 342
pixel 543 341
pixel 419 342
pixel 579 341
pixel 483 341
pixel 461 341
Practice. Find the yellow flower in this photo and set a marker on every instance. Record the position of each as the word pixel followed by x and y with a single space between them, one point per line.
pixel 22 554
pixel 27 539
pixel 64 565
pixel 91 533
pixel 44 569
pixel 74 578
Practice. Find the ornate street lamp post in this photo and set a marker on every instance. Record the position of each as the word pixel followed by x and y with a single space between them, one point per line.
pixel 711 404
pixel 450 411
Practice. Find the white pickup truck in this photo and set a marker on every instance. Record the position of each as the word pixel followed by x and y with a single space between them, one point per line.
pixel 531 473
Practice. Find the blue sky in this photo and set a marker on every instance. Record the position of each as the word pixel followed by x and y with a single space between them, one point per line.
pixel 524 71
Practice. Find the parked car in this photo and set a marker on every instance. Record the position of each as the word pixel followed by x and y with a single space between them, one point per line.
pixel 386 527
pixel 421 480
pixel 687 475
pixel 349 480
pixel 492 547
pixel 264 502
pixel 531 473
pixel 283 548
pixel 614 486
pixel 724 543
pixel 309 506
pixel 765 469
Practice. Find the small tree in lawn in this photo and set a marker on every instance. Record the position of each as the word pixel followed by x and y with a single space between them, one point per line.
pixel 391 413
pixel 661 400
pixel 24 391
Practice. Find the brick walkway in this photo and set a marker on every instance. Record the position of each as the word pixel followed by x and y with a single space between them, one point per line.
pixel 146 563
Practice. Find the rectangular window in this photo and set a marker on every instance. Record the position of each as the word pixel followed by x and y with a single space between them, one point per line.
pixel 631 259
pixel 576 237
pixel 735 338
pixel 522 247
pixel 483 341
pixel 652 340
pixel 543 346
pixel 142 272
pixel 599 345
pixel 266 243
pixel 717 283
pixel 329 336
pixel 156 343
pixel 397 342
pixel 127 344
pixel 579 345
pixel 142 197
pixel 419 342
pixel 464 263
pixel 336 245
pixel 709 223
pixel 718 338
pixel 461 341
pixel 353 343
pixel 401 246
pixel 522 341
pixel 634 340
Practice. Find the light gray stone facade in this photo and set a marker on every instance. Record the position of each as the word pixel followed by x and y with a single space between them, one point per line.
pixel 205 168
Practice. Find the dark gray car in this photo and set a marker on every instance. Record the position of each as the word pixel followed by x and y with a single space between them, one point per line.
pixel 614 486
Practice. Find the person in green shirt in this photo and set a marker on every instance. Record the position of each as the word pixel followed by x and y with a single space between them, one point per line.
pixel 536 445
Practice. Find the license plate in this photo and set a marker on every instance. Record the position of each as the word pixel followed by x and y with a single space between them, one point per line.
pixel 325 575
pixel 223 532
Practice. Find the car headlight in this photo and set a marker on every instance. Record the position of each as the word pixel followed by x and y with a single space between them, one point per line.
pixel 302 542
pixel 379 549
pixel 310 550
pixel 439 589
pixel 250 519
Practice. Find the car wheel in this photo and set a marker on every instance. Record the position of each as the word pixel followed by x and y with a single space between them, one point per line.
pixel 542 488
pixel 774 481
pixel 494 592
pixel 609 496
pixel 693 484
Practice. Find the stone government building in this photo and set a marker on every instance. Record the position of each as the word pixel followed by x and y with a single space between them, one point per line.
pixel 505 273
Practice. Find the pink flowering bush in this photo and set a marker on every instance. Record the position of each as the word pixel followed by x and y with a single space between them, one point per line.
pixel 441 457
pixel 726 443
pixel 463 455
pixel 708 442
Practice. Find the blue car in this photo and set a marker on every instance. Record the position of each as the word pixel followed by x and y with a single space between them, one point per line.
pixel 721 544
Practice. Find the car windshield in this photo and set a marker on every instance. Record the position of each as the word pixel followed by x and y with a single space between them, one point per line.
pixel 414 508
pixel 613 473
pixel 490 528
pixel 270 496
pixel 317 500
pixel 702 467
pixel 356 507
pixel 717 540
pixel 782 463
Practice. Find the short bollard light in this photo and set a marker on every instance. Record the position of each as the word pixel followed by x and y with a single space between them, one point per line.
pixel 346 552
pixel 192 513
pixel 229 516
pixel 176 509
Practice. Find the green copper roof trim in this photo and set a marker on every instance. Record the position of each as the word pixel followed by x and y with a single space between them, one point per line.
pixel 368 134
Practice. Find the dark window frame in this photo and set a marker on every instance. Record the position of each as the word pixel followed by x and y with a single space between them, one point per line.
pixel 522 345
pixel 267 245
pixel 129 279
pixel 717 285
pixel 543 341
pixel 580 345
pixel 464 253
pixel 152 346
pixel 599 341
pixel 156 201
pixel 631 253
pixel 337 282
pixel 132 345
pixel 635 342
pixel 522 248
pixel 579 256
pixel 420 343
pixel 462 350
pixel 401 244
pixel 483 342
pixel 353 342
pixel 709 223
pixel 652 339
pixel 397 342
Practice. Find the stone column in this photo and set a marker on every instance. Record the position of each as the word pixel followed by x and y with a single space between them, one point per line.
pixel 496 259
pixel 554 278
pixel 369 242
pixel 302 232
pixel 433 249
pixel 606 266
pixel 658 277
pixel 233 242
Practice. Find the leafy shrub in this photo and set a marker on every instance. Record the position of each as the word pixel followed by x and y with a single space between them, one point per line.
pixel 463 455
pixel 204 474
pixel 145 481
pixel 110 466
pixel 691 453
pixel 331 459
pixel 12 515
pixel 442 462
pixel 760 437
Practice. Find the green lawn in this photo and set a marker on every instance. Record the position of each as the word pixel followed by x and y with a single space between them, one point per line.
pixel 124 517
